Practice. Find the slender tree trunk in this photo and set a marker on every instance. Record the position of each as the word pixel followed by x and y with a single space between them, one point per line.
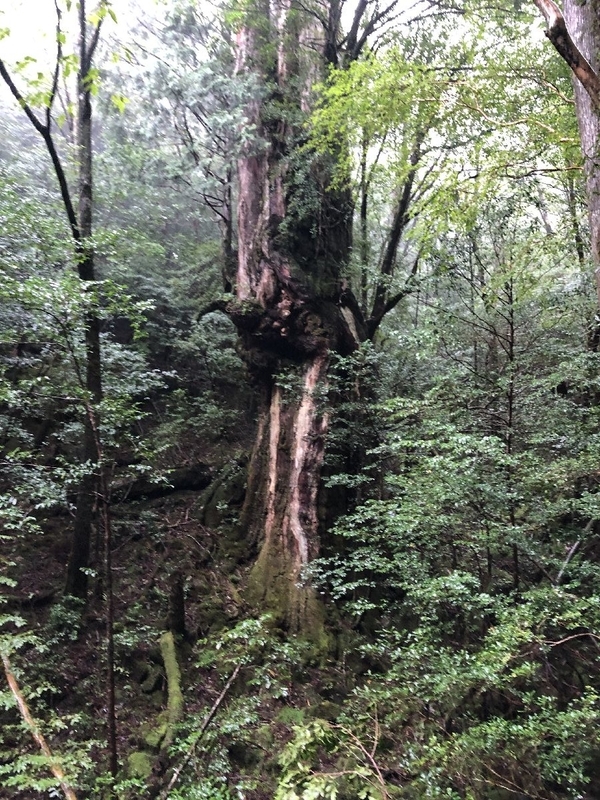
pixel 53 763
pixel 572 206
pixel 79 558
pixel 79 217
pixel 364 227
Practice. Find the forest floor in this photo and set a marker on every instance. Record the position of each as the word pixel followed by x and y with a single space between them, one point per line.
pixel 157 543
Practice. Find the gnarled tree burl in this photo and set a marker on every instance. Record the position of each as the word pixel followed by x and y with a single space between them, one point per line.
pixel 293 308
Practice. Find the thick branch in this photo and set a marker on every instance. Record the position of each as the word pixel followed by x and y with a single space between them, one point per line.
pixel 558 34
pixel 401 217
pixel 363 27
pixel 409 286
pixel 382 16
pixel 353 33
pixel 93 45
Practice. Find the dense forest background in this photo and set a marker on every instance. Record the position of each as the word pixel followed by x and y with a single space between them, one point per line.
pixel 299 400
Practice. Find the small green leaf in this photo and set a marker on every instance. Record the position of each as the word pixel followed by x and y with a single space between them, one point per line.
pixel 119 101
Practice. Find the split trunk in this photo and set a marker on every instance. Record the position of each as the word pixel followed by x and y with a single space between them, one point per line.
pixel 292 308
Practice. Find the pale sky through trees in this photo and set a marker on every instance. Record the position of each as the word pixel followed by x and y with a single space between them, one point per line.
pixel 32 23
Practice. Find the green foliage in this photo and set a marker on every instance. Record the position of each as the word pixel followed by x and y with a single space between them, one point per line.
pixel 460 109
pixel 355 773
pixel 271 658
pixel 204 789
pixel 65 620
pixel 463 445
pixel 469 579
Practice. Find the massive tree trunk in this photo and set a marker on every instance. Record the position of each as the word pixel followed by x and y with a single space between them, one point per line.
pixel 281 507
pixel 292 309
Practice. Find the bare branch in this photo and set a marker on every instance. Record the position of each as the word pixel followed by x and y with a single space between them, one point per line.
pixel 93 45
pixel 206 722
pixel 352 37
pixel 382 303
pixel 408 288
pixel 371 26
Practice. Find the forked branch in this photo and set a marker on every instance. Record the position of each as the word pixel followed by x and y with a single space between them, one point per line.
pixel 45 131
pixel 561 39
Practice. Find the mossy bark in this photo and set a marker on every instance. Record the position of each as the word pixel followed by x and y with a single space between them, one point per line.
pixel 282 508
pixel 174 693
pixel 293 309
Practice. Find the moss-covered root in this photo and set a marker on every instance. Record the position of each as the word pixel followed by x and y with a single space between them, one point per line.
pixel 174 694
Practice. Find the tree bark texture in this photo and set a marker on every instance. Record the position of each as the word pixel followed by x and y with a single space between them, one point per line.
pixel 568 43
pixel 576 37
pixel 583 22
pixel 292 308
pixel 281 508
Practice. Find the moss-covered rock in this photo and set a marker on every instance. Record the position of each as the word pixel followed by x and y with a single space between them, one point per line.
pixel 153 734
pixel 153 679
pixel 139 765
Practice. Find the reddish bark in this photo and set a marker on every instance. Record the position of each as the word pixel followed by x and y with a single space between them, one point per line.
pixel 291 311
pixel 282 513
pixel 293 307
